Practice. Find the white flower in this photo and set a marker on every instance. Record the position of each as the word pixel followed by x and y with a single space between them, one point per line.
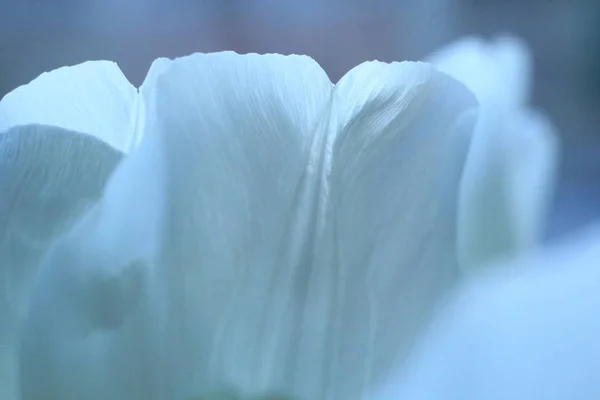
pixel 510 172
pixel 527 332
pixel 272 232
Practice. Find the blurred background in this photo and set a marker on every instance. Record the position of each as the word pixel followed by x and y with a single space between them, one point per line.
pixel 564 35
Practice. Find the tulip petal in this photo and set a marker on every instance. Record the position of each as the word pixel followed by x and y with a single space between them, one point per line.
pixel 508 181
pixel 527 332
pixel 93 98
pixel 93 283
pixel 499 68
pixel 504 195
pixel 48 178
pixel 535 175
pixel 243 136
pixel 387 249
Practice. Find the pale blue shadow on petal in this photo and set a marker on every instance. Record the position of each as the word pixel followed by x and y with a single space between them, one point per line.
pixel 526 330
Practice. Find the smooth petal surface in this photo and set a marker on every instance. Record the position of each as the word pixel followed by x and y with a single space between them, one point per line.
pixel 93 98
pixel 48 178
pixel 528 332
pixel 504 196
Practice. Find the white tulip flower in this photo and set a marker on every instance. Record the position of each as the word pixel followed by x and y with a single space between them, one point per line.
pixel 529 331
pixel 511 167
pixel 272 233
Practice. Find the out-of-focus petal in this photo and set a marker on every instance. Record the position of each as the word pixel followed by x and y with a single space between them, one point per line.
pixel 507 185
pixel 48 178
pixel 529 331
pixel 510 170
pixel 386 251
pixel 534 176
pixel 499 68
pixel 93 98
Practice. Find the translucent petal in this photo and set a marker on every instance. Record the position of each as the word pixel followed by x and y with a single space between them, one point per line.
pixel 387 248
pixel 94 286
pixel 527 332
pixel 96 102
pixel 507 185
pixel 48 178
pixel 245 145
pixel 499 68
pixel 93 98
pixel 504 195
pixel 534 176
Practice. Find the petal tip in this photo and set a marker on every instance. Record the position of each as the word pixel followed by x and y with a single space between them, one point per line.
pixel 88 66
